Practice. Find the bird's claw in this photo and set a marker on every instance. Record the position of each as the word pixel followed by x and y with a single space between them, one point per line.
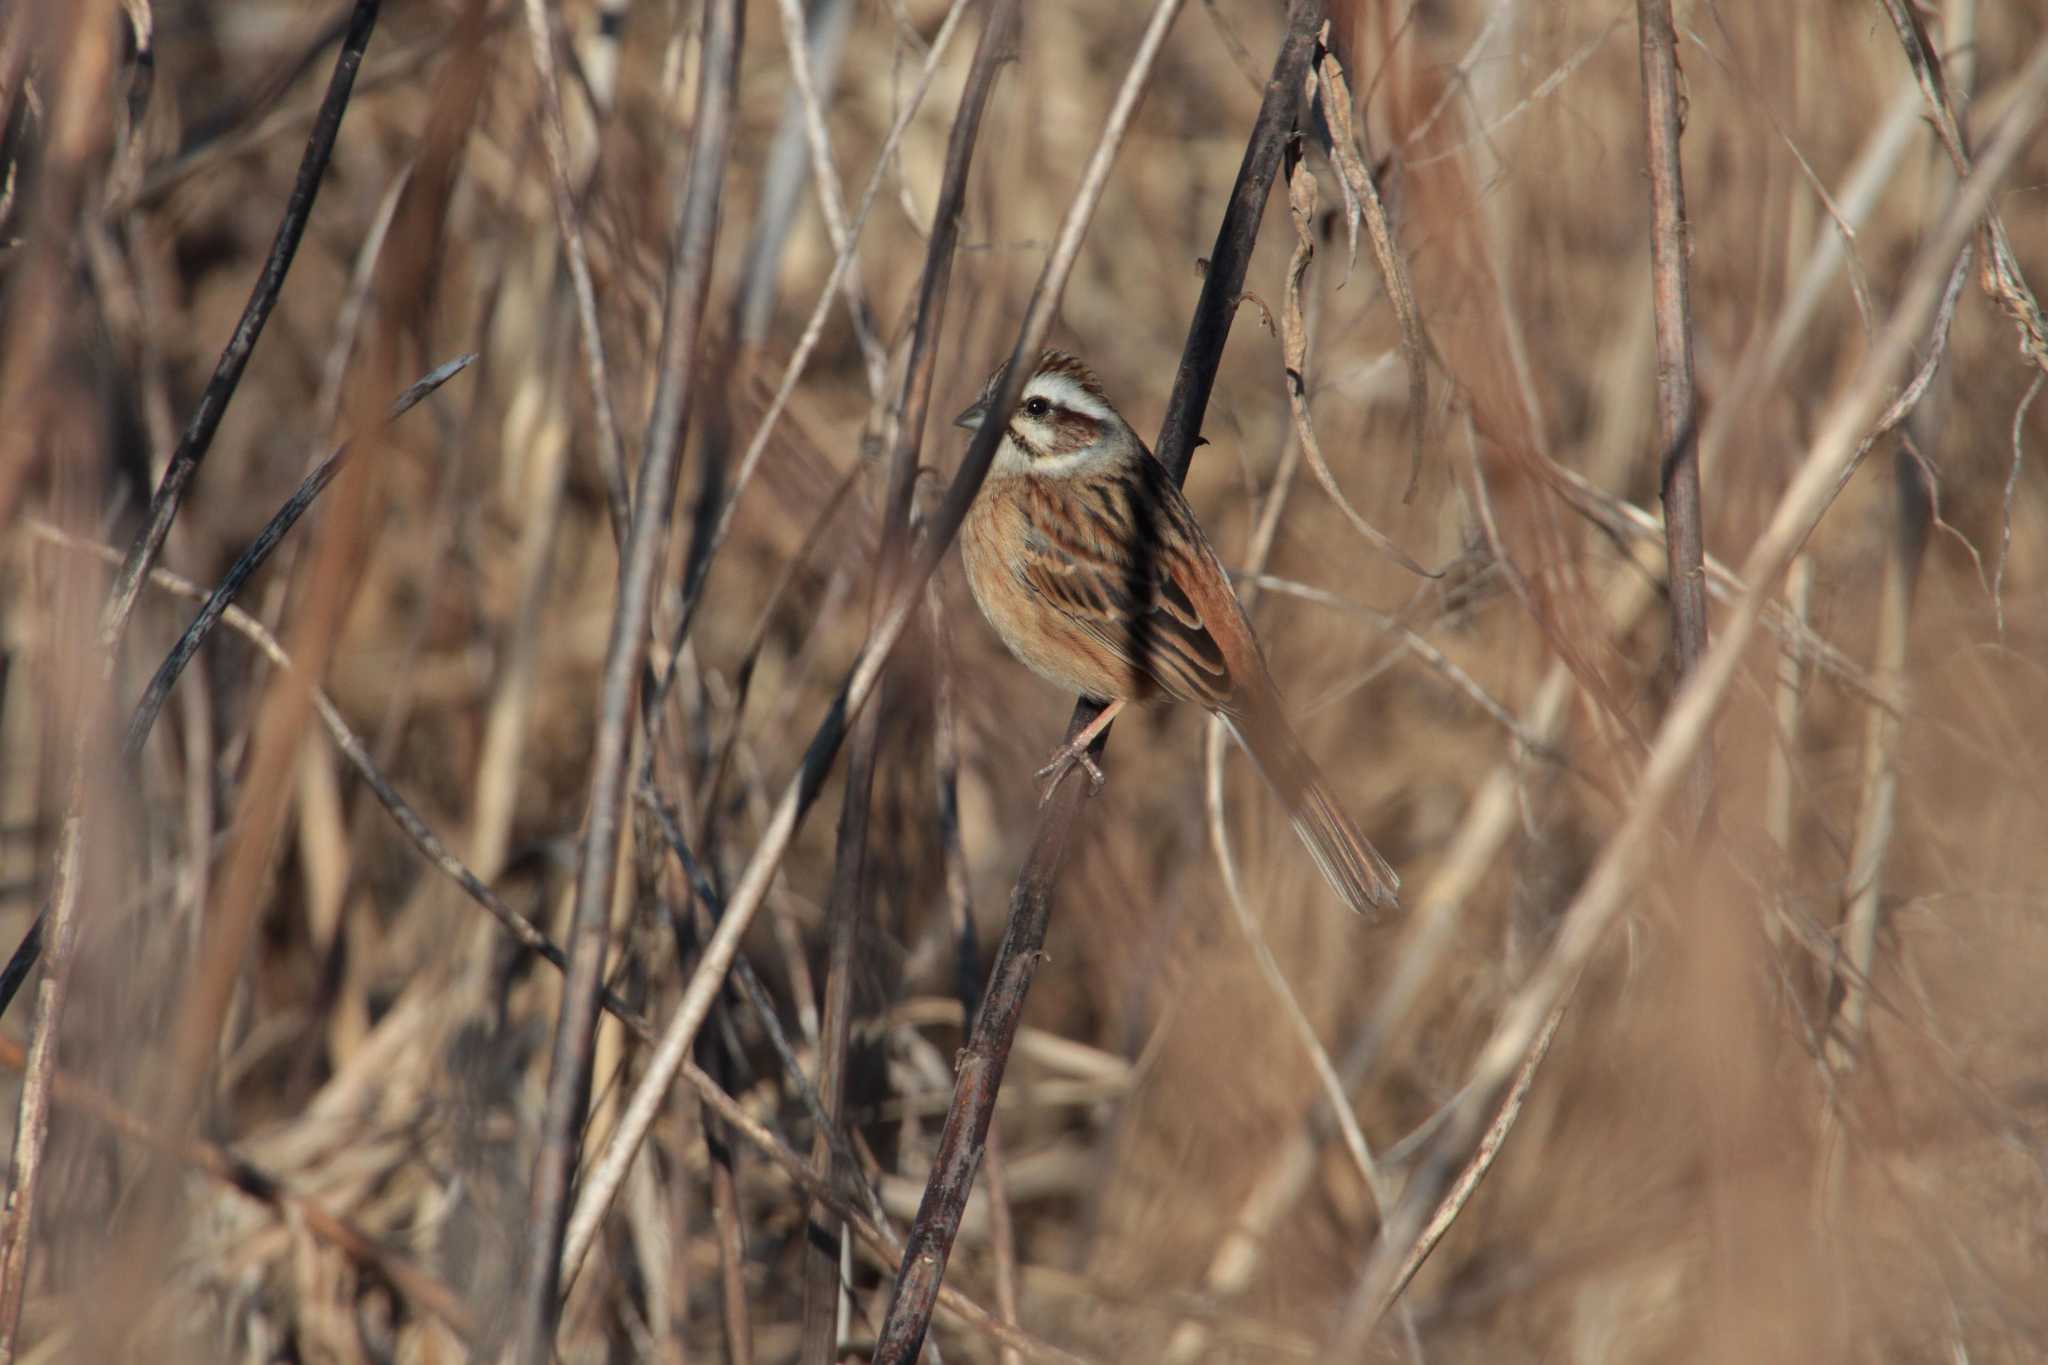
pixel 1064 759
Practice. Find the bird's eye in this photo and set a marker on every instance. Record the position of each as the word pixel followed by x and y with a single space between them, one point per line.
pixel 1036 407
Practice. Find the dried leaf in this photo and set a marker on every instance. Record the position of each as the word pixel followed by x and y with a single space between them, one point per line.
pixel 1335 93
pixel 1301 203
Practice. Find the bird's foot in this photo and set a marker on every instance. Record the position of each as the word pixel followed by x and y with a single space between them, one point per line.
pixel 1064 759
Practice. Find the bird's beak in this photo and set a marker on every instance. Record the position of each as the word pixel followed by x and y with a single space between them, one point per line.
pixel 972 418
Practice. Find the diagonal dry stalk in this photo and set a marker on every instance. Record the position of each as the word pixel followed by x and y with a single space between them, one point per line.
pixel 71 137
pixel 250 1180
pixel 1628 850
pixel 1999 271
pixel 1914 514
pixel 697 221
pixel 1678 472
pixel 850 896
pixel 980 1066
pixel 706 549
pixel 555 139
pixel 801 792
pixel 831 198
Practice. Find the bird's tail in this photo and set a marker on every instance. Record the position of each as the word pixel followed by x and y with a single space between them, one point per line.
pixel 1349 862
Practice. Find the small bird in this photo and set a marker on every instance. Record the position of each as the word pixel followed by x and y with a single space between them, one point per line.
pixel 1085 557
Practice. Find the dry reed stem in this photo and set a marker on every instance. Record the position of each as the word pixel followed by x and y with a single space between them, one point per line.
pixel 1628 849
pixel 980 1067
pixel 555 140
pixel 831 198
pixel 863 1220
pixel 1914 512
pixel 239 1174
pixel 814 327
pixel 689 284
pixel 1789 713
pixel 1677 408
pixel 70 137
pixel 848 903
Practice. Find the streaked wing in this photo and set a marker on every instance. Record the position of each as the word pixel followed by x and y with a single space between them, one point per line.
pixel 1122 557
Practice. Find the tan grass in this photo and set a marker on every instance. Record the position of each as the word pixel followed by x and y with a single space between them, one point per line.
pixel 1698 1174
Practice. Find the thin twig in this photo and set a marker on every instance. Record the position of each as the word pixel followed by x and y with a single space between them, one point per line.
pixel 979 1069
pixel 1632 845
pixel 697 220
pixel 213 401
pixel 848 901
pixel 1678 470
pixel 246 1178
pixel 831 198
pixel 1363 1315
pixel 782 181
pixel 252 559
pixel 705 548
pixel 32 1114
pixel 555 138
pixel 1914 513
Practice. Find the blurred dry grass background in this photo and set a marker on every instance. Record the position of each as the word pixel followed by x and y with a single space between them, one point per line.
pixel 1696 1177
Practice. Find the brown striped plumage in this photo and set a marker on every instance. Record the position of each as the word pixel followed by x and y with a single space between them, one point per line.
pixel 1087 560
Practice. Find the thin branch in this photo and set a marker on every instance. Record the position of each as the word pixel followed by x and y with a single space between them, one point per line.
pixel 1678 472
pixel 979 1069
pixel 802 790
pixel 419 1286
pixel 1914 514
pixel 831 198
pixel 2012 479
pixel 782 181
pixel 32 1114
pixel 1632 845
pixel 1365 1314
pixel 849 896
pixel 555 138
pixel 252 559
pixel 227 373
pixel 705 547
pixel 697 220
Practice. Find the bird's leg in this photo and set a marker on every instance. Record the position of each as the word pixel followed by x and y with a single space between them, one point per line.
pixel 1075 752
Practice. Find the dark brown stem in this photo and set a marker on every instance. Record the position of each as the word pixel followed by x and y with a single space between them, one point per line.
pixel 569 1076
pixel 849 899
pixel 227 373
pixel 32 1114
pixel 1677 408
pixel 979 1070
pixel 239 573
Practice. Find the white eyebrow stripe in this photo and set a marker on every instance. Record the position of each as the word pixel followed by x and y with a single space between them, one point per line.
pixel 1066 392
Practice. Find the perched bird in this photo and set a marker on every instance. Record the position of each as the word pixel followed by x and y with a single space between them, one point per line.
pixel 1086 559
